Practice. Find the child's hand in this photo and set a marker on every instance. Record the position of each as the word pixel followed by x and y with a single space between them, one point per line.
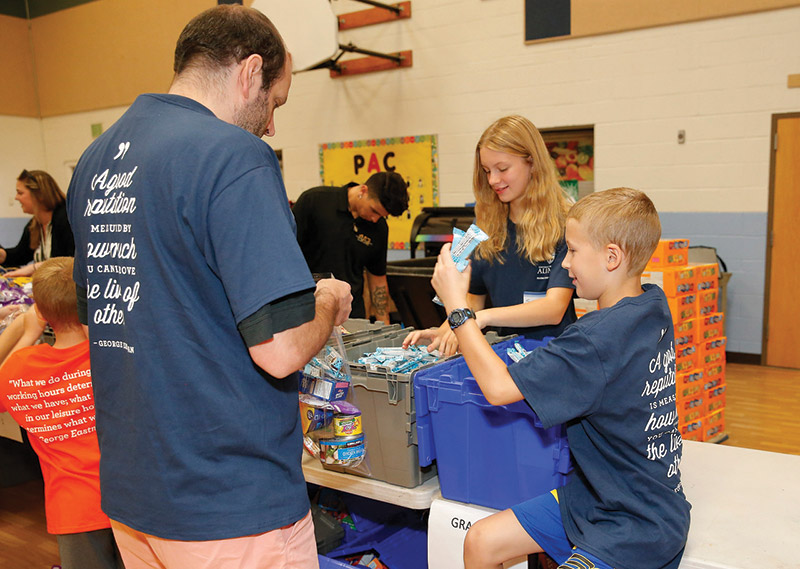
pixel 429 336
pixel 451 285
pixel 444 340
pixel 448 344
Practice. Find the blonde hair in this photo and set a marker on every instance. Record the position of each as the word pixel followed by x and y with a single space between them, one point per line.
pixel 45 191
pixel 54 293
pixel 545 203
pixel 625 217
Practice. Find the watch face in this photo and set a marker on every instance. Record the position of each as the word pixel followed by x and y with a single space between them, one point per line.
pixel 458 316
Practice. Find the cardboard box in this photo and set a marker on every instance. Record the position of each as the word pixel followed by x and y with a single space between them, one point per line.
pixel 690 377
pixel 712 357
pixel 710 326
pixel 685 339
pixel 714 425
pixel 687 329
pixel 691 408
pixel 672 280
pixel 682 307
pixel 714 399
pixel 714 371
pixel 712 345
pixel 324 388
pixel 670 253
pixel 707 302
pixel 706 275
pixel 689 390
pixel 583 306
pixel 684 352
pixel 692 430
pixel 686 364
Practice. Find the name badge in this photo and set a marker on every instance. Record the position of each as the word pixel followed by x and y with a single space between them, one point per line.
pixel 528 295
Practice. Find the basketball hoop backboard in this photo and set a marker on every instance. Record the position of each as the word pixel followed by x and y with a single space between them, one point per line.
pixel 309 29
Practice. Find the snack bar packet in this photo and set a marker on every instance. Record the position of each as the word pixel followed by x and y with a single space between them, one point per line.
pixel 464 243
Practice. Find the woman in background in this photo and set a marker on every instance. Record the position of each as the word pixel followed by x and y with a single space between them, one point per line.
pixel 48 233
pixel 520 204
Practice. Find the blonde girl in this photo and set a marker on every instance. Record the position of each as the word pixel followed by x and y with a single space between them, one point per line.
pixel 521 206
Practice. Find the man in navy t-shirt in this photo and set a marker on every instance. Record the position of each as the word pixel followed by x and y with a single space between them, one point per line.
pixel 200 309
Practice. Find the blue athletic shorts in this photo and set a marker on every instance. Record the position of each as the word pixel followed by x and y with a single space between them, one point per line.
pixel 541 518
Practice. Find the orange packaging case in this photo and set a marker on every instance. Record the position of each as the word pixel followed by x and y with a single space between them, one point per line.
pixel 685 339
pixel 713 425
pixel 712 357
pixel 712 350
pixel 672 280
pixel 686 364
pixel 682 307
pixel 583 306
pixel 714 371
pixel 691 408
pixel 692 431
pixel 685 352
pixel 706 276
pixel 670 253
pixel 689 390
pixel 710 326
pixel 707 302
pixel 689 382
pixel 714 399
pixel 687 329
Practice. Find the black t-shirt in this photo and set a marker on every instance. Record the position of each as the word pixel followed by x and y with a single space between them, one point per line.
pixel 333 241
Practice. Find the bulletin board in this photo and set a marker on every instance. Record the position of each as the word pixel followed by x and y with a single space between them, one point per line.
pixel 413 157
pixel 572 151
pixel 547 20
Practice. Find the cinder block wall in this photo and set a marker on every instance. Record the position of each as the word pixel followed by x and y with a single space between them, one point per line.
pixel 718 80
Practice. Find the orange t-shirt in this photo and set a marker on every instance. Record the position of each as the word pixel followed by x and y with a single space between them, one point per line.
pixel 48 392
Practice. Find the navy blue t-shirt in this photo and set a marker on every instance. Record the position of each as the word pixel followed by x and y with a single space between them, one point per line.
pixel 517 280
pixel 611 378
pixel 183 230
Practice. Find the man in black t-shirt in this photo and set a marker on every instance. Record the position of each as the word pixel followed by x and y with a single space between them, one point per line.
pixel 343 231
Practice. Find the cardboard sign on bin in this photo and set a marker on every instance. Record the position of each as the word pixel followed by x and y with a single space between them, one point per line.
pixel 494 456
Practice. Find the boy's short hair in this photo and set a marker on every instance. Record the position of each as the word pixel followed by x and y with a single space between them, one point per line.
pixel 54 293
pixel 625 217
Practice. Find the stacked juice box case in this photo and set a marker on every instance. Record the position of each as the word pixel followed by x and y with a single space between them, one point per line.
pixel 692 291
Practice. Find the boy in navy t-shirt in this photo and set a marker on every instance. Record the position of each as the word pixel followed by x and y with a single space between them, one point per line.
pixel 610 377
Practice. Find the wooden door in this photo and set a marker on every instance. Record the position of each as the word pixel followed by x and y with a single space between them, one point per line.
pixel 781 342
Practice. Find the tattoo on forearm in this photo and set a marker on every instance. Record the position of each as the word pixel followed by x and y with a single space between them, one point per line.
pixel 380 300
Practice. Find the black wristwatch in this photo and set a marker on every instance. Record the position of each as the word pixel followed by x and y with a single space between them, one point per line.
pixel 458 316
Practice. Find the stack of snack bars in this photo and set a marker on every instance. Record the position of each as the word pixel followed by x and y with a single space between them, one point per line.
pixel 693 295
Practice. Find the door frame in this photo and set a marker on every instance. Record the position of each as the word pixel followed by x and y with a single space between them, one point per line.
pixel 770 211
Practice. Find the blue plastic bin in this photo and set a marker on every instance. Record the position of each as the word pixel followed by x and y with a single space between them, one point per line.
pixel 397 534
pixel 328 563
pixel 494 456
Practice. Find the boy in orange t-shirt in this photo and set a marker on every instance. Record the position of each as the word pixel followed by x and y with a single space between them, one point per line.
pixel 48 391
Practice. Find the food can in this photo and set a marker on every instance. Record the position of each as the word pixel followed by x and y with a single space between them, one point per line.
pixel 344 451
pixel 347 425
